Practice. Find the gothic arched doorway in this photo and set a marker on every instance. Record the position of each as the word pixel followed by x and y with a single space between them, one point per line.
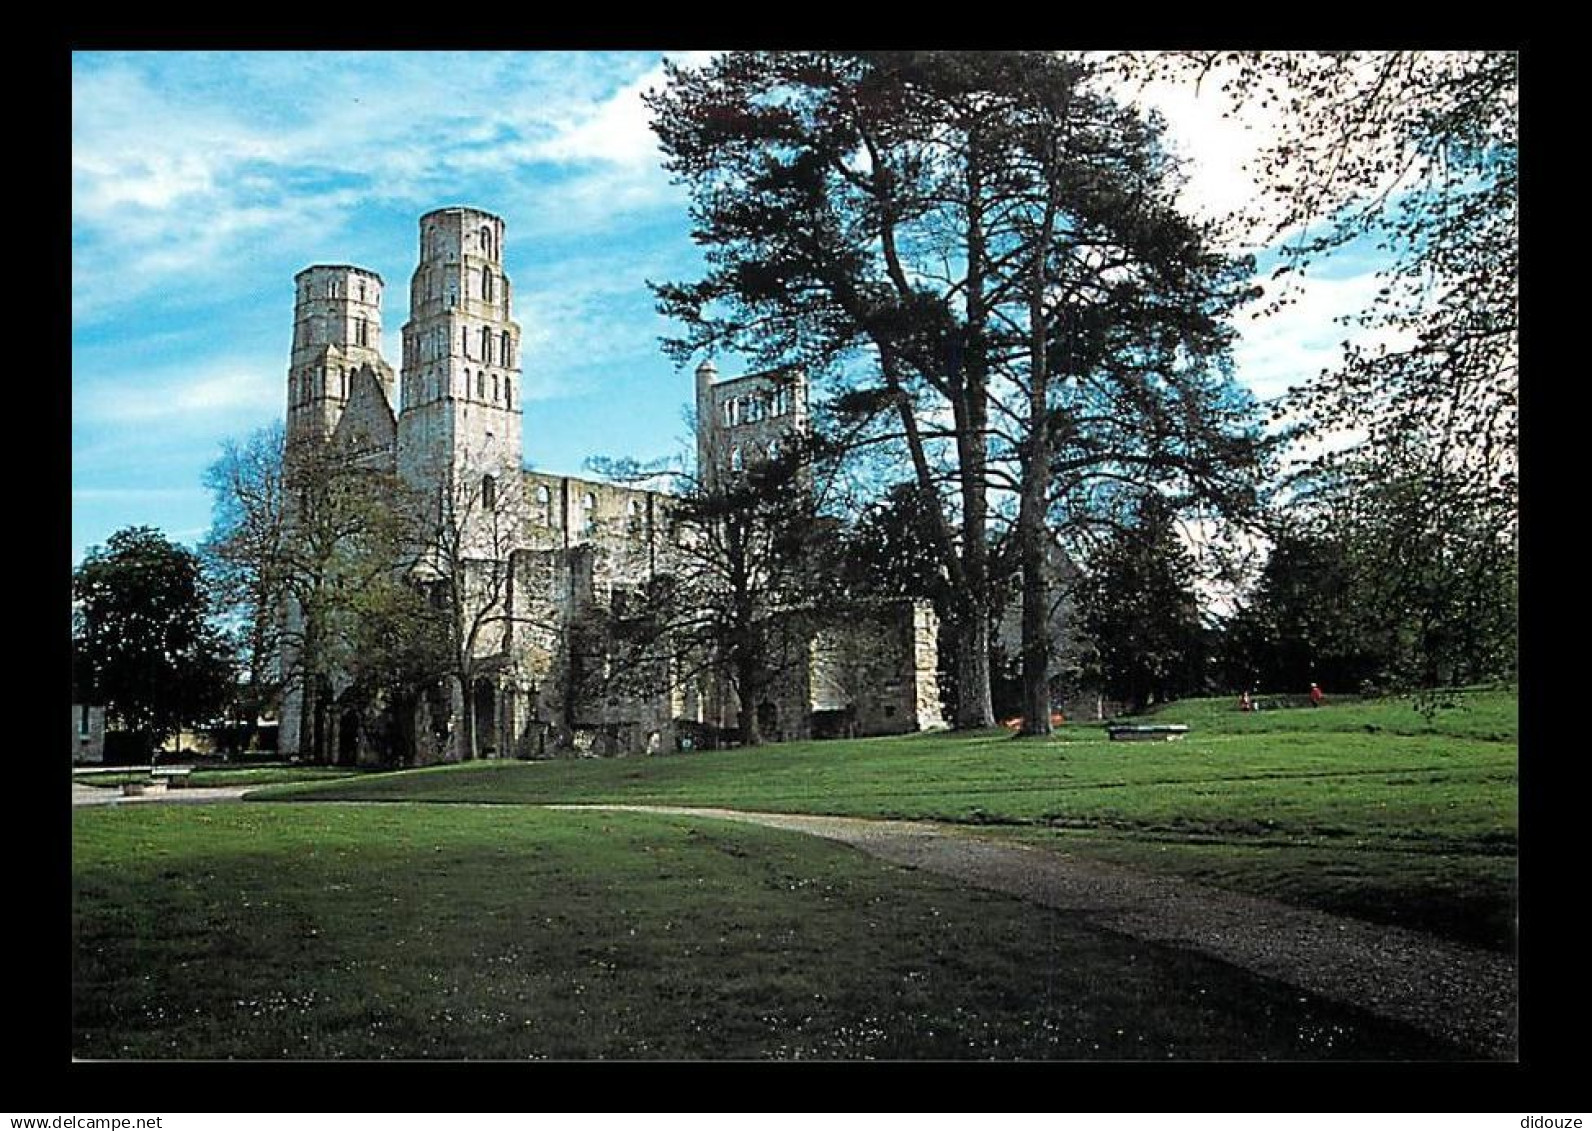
pixel 486 737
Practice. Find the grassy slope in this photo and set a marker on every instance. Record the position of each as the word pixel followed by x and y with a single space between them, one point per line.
pixel 330 931
pixel 1360 808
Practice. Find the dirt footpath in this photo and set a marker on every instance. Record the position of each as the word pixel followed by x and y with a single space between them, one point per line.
pixel 1466 995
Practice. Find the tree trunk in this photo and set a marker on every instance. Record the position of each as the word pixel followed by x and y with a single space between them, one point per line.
pixel 1031 534
pixel 1036 631
pixel 467 701
pixel 748 689
pixel 974 704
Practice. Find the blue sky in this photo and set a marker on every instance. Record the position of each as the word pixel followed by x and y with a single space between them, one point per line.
pixel 203 182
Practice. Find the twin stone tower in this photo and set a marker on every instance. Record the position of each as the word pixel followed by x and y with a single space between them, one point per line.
pixel 450 423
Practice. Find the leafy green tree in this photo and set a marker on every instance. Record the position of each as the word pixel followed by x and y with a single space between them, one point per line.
pixel 243 557
pixel 1305 622
pixel 746 585
pixel 1141 610
pixel 949 235
pixel 1415 431
pixel 843 225
pixel 1434 570
pixel 143 642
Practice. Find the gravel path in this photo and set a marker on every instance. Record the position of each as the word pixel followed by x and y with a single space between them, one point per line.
pixel 188 795
pixel 1463 994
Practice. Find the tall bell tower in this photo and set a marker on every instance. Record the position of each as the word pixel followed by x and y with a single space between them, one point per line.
pixel 461 355
pixel 336 330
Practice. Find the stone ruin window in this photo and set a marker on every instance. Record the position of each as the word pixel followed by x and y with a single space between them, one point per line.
pixel 495 392
pixel 486 241
pixel 544 503
pixel 508 392
pixel 480 385
pixel 588 512
pixel 486 345
pixel 362 331
pixel 486 283
pixel 489 493
pixel 505 348
pixel 361 290
pixel 633 516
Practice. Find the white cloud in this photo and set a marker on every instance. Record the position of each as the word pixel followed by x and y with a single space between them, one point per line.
pixel 1296 343
pixel 183 164
pixel 241 389
pixel 616 132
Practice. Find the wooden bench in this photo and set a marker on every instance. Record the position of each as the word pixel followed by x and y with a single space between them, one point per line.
pixel 1163 732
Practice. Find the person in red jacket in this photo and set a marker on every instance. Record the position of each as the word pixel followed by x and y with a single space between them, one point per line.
pixel 1315 695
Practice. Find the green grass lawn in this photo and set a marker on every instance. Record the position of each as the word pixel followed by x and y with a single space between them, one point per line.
pixel 1361 808
pixel 276 931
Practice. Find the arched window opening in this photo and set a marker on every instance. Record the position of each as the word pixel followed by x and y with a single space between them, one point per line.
pixel 588 512
pixel 495 393
pixel 489 492
pixel 486 345
pixel 486 241
pixel 633 516
pixel 508 392
pixel 480 385
pixel 737 461
pixel 486 283
pixel 464 340
pixel 773 451
pixel 544 504
pixel 505 348
pixel 362 290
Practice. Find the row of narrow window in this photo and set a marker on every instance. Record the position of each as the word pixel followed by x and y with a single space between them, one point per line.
pixel 432 278
pixel 487 340
pixel 588 510
pixel 487 242
pixel 306 386
pixel 494 349
pixel 335 289
pixel 754 407
pixel 502 387
pixel 738 455
pixel 313 332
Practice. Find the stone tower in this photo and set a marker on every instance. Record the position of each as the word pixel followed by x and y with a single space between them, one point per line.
pixel 745 420
pixel 336 331
pixel 461 415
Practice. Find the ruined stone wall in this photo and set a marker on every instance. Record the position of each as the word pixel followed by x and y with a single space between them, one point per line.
pixel 877 672
pixel 572 547
pixel 746 420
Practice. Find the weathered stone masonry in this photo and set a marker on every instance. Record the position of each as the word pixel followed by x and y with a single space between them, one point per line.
pixel 452 421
